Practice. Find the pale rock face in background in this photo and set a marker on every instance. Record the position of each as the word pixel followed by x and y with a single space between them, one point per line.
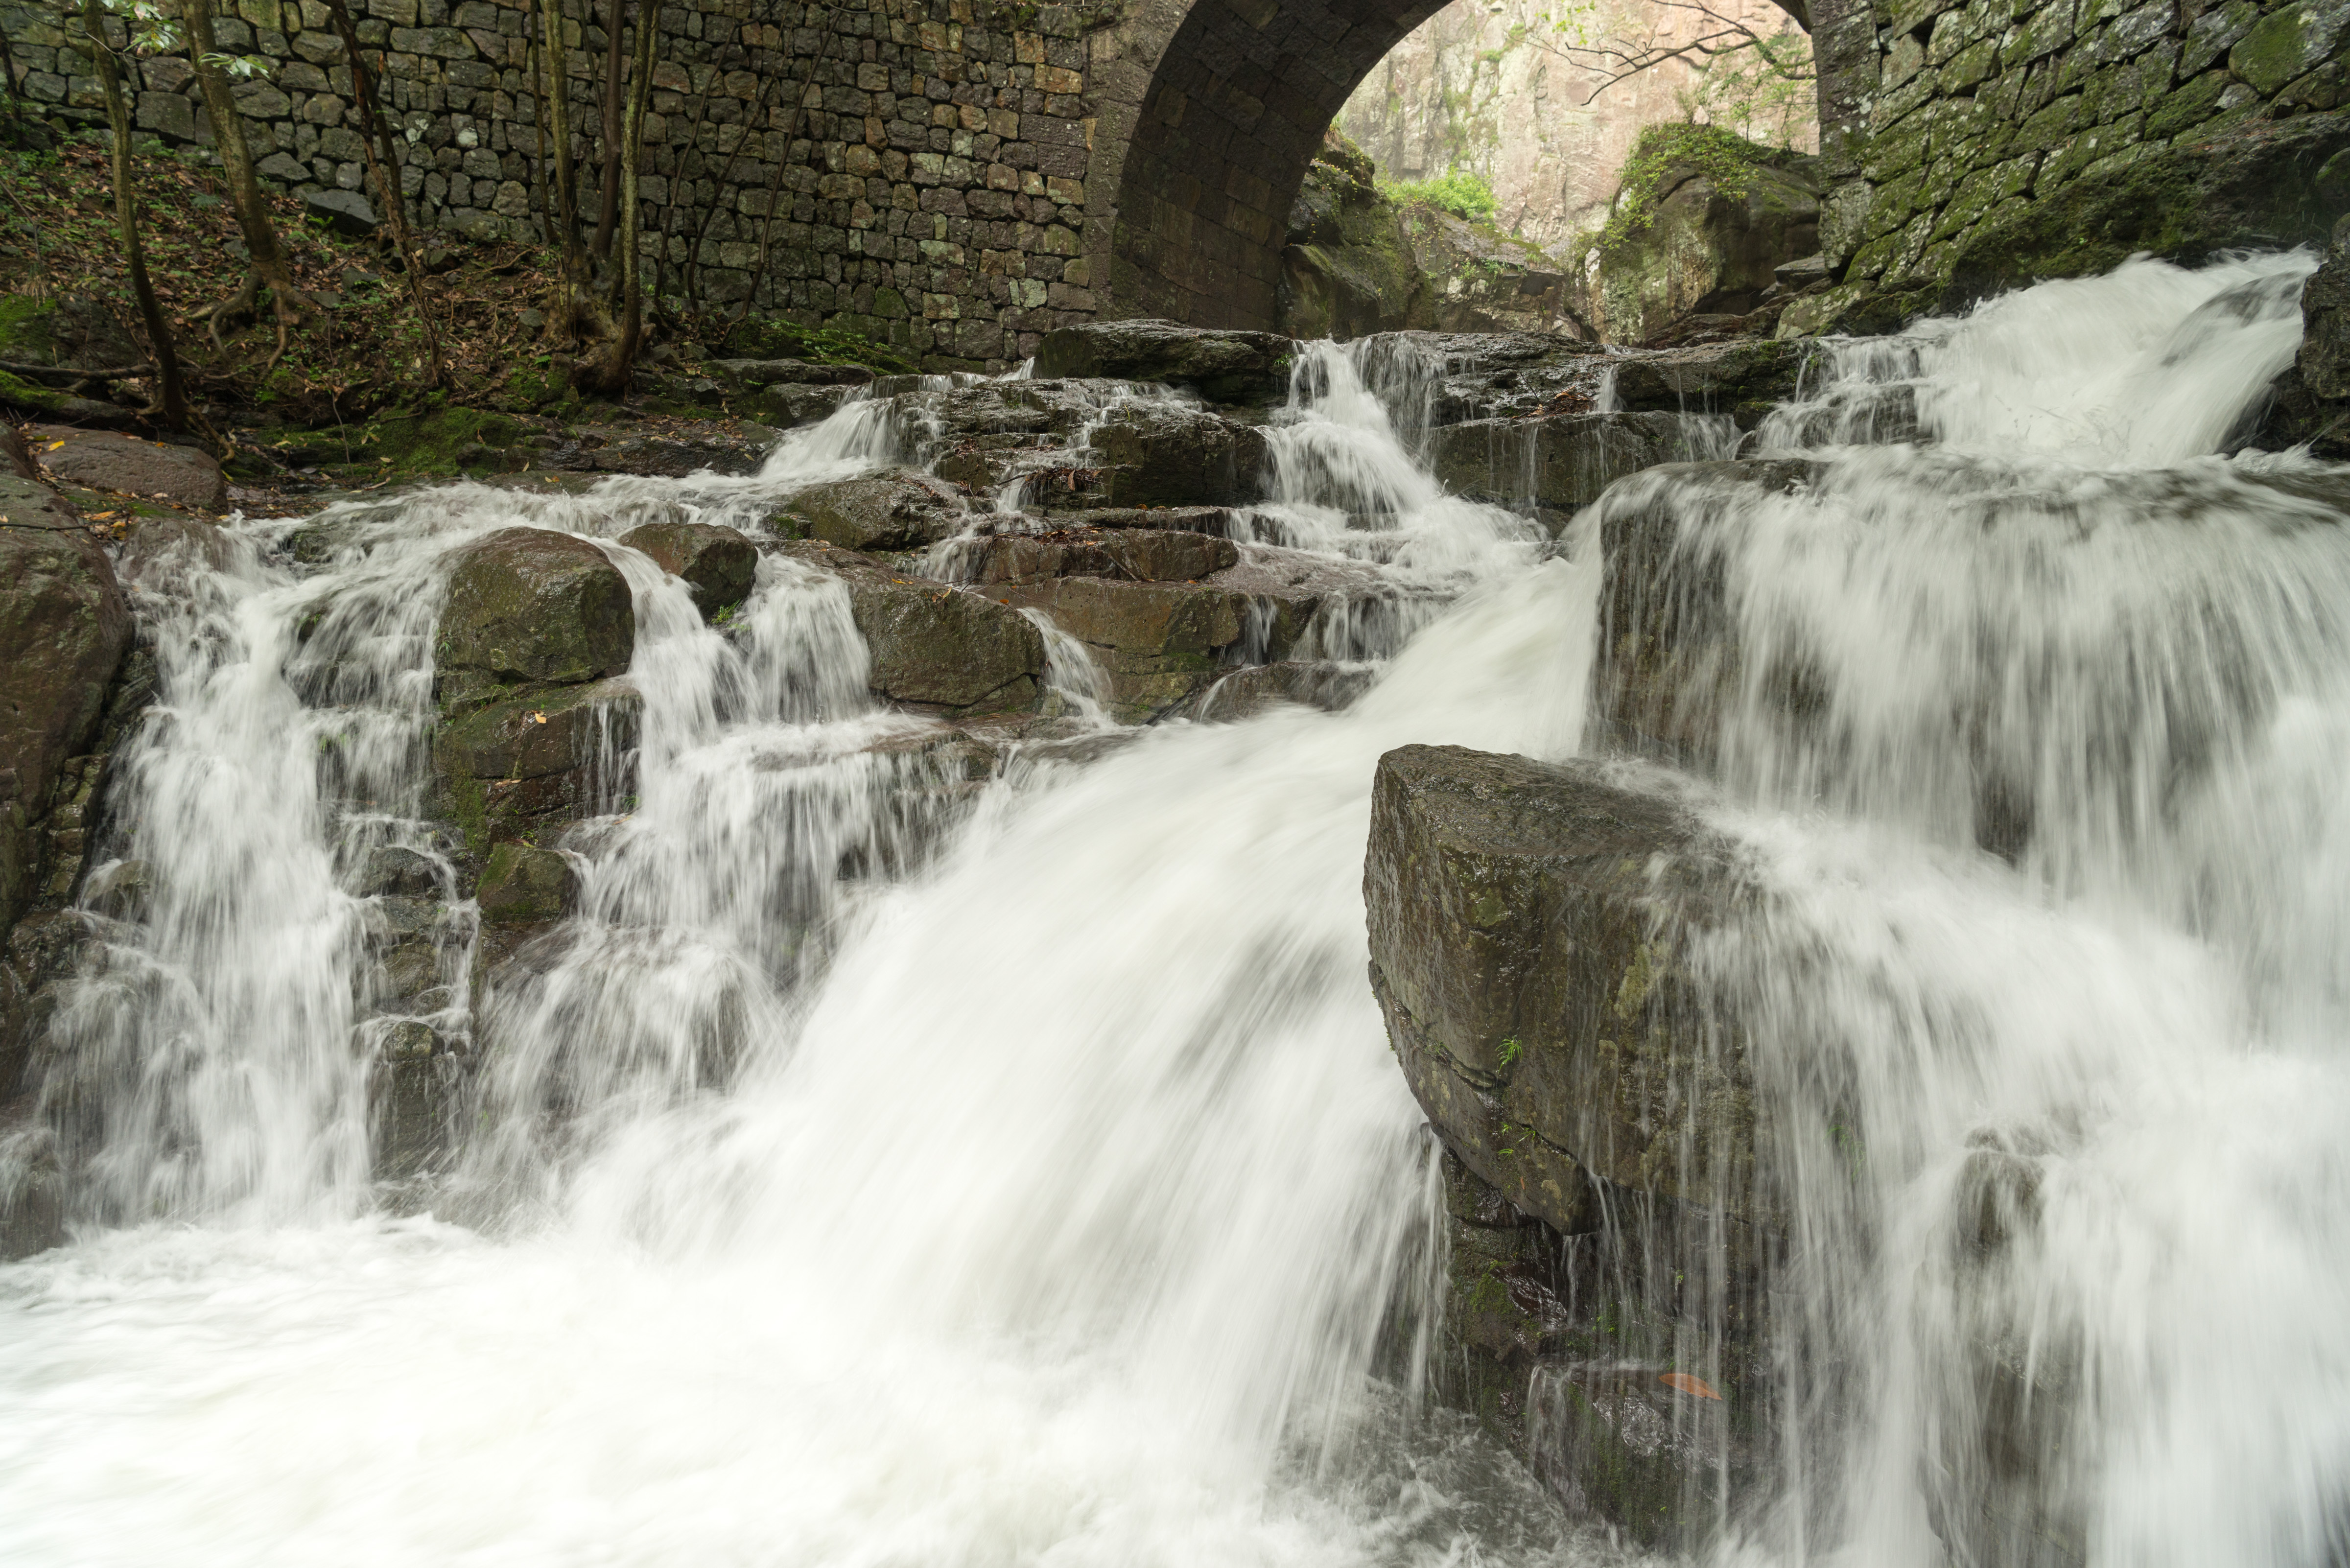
pixel 1459 94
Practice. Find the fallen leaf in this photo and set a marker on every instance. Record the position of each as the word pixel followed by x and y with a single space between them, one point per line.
pixel 1688 1385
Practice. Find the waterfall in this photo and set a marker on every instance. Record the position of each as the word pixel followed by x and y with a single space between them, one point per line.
pixel 885 1167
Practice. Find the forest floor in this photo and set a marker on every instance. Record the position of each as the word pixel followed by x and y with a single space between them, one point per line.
pixel 358 392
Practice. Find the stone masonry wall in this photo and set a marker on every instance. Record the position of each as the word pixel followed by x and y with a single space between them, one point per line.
pixel 1945 120
pixel 911 171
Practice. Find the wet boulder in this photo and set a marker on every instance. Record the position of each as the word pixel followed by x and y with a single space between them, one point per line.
pixel 935 648
pixel 65 628
pixel 1246 369
pixel 127 465
pixel 1745 379
pixel 537 762
pixel 525 886
pixel 1302 683
pixel 1157 642
pixel 530 604
pixel 1669 664
pixel 1184 519
pixel 1561 461
pixel 1177 454
pixel 1529 931
pixel 420 1092
pixel 892 510
pixel 717 563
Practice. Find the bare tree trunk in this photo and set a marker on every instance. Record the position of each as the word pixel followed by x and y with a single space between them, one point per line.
pixel 268 265
pixel 612 375
pixel 170 399
pixel 558 113
pixel 385 168
pixel 609 214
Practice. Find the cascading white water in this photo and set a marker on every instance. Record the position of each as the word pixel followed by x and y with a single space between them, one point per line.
pixel 1041 1191
pixel 1046 1201
pixel 2061 1140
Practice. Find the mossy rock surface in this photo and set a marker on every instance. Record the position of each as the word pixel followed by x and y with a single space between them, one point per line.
pixel 444 441
pixel 525 886
pixel 1348 269
pixel 526 604
pixel 2258 185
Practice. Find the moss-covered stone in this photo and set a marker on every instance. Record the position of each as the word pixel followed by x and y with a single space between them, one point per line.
pixel 523 886
pixel 1348 269
pixel 444 441
pixel 1528 925
pixel 1701 218
pixel 530 604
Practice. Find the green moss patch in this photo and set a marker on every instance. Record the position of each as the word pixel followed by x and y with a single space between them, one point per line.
pixel 773 337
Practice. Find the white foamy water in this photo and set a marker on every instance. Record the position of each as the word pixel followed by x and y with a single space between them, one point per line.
pixel 886 1169
pixel 2061 1132
pixel 1040 1189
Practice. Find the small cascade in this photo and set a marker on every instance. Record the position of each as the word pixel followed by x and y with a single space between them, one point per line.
pixel 958 1131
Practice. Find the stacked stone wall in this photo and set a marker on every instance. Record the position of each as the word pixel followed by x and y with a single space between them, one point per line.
pixel 1944 120
pixel 912 170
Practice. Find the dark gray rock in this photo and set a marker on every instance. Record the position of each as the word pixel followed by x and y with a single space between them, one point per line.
pixel 347 213
pixel 893 511
pixel 935 647
pixel 1528 924
pixel 1247 368
pixel 127 465
pixel 523 886
pixel 1561 461
pixel 717 563
pixel 1172 454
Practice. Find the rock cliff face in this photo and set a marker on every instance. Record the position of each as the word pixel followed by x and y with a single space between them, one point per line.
pixel 1485 87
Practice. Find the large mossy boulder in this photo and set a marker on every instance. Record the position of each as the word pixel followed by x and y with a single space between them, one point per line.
pixel 535 733
pixel 1246 369
pixel 1702 220
pixel 1531 927
pixel 526 604
pixel 1348 269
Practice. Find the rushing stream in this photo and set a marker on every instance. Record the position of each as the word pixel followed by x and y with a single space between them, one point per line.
pixel 1045 1191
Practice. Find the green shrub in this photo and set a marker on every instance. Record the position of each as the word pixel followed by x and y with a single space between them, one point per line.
pixel 1456 191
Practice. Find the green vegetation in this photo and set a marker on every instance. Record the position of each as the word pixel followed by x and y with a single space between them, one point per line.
pixel 1724 157
pixel 771 338
pixel 1456 191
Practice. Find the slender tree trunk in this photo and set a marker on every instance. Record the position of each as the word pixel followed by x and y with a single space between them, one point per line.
pixel 385 168
pixel 616 18
pixel 559 115
pixel 170 399
pixel 612 374
pixel 268 267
